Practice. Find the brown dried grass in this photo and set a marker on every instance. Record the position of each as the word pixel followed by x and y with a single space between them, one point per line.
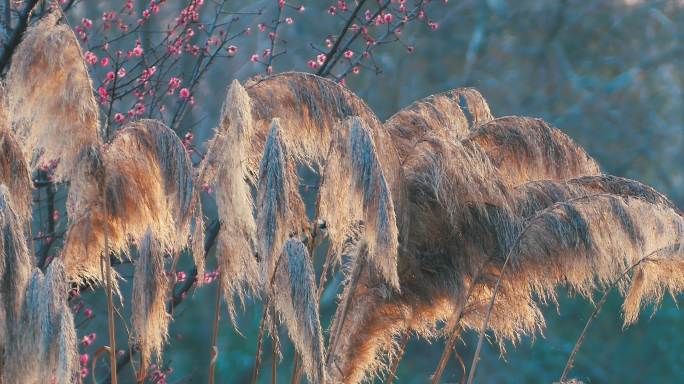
pixel 453 115
pixel 364 209
pixel 14 171
pixel 225 164
pixel 150 321
pixel 50 94
pixel 46 342
pixel 525 149
pixel 16 264
pixel 296 300
pixel 280 209
pixel 148 178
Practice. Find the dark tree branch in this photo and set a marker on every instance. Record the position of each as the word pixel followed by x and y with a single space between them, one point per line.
pixel 325 68
pixel 17 33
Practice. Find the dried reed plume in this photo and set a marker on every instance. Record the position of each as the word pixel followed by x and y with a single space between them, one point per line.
pixel 453 114
pixel 14 172
pixel 51 101
pixel 148 185
pixel 512 186
pixel 280 210
pixel 16 264
pixel 225 165
pixel 309 108
pixel 525 149
pixel 353 162
pixel 46 342
pixel 296 300
pixel 534 196
pixel 150 321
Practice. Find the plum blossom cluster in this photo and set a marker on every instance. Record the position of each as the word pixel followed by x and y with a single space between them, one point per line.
pixel 370 26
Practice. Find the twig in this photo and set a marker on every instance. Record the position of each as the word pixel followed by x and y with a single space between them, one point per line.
pixel 104 259
pixel 324 70
pixel 260 340
pixel 214 335
pixel 354 280
pixel 594 315
pixel 454 334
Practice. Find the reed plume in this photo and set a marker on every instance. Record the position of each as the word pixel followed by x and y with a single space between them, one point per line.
pixel 309 108
pixel 46 345
pixel 512 186
pixel 280 210
pixel 296 300
pixel 150 321
pixel 225 164
pixel 354 162
pixel 16 263
pixel 148 179
pixel 14 171
pixel 525 149
pixel 453 114
pixel 50 95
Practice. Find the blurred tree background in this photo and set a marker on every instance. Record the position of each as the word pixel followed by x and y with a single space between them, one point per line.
pixel 607 72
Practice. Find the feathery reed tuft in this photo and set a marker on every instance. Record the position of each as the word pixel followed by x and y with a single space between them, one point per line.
pixel 50 94
pixel 280 210
pixel 150 320
pixel 354 162
pixel 296 300
pixel 148 184
pixel 14 171
pixel 225 164
pixel 589 242
pixel 309 108
pixel 451 114
pixel 525 149
pixel 16 263
pixel 46 342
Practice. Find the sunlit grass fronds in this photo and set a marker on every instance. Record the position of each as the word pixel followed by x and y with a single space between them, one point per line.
pixel 296 300
pixel 354 162
pixel 280 210
pixel 148 178
pixel 225 165
pixel 308 107
pixel 373 322
pixel 22 364
pixel 150 321
pixel 531 197
pixel 14 173
pixel 16 264
pixel 67 368
pixel 455 188
pixel 50 94
pixel 660 272
pixel 452 114
pixel 586 243
pixel 526 149
pixel 46 341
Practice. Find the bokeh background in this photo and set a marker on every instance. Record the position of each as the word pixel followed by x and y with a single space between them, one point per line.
pixel 609 73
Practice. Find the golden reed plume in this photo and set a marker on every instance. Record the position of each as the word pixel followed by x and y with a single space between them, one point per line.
pixel 510 187
pixel 16 265
pixel 296 300
pixel 150 321
pixel 46 342
pixel 365 208
pixel 50 96
pixel 148 179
